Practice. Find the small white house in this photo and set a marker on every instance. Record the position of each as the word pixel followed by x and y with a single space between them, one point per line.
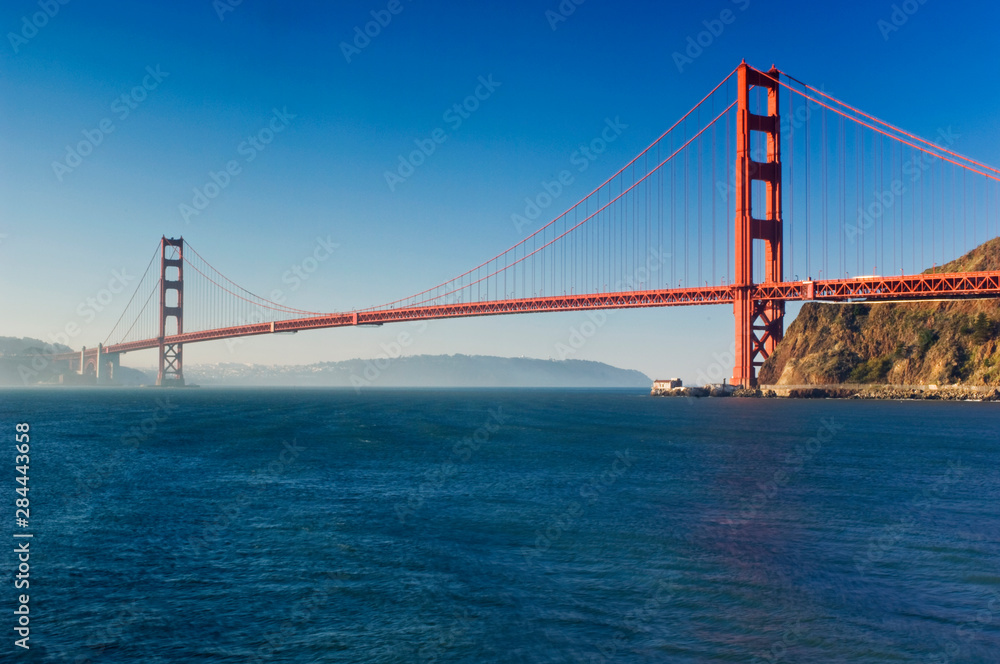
pixel 668 384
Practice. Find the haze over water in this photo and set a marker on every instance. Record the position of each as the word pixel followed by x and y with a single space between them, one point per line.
pixel 509 526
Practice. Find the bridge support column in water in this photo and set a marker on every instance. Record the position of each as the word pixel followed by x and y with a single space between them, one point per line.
pixel 106 365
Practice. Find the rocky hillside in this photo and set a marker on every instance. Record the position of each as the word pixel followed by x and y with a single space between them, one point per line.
pixel 908 343
pixel 984 258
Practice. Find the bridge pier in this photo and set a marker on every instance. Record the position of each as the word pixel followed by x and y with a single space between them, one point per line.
pixel 98 363
pixel 107 366
pixel 95 362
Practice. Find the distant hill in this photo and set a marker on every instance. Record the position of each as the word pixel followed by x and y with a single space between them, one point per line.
pixel 10 346
pixel 425 371
pixel 911 343
pixel 24 362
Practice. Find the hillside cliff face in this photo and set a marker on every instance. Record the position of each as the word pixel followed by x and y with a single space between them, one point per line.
pixel 900 344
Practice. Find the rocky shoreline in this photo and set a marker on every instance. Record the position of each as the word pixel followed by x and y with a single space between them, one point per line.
pixel 698 392
pixel 868 392
pixel 873 392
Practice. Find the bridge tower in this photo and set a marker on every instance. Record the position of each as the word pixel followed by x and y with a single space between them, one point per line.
pixel 171 372
pixel 759 324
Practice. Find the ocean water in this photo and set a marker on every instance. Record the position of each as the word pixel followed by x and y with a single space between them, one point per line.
pixel 503 526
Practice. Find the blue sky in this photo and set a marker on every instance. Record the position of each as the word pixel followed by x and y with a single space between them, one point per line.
pixel 214 78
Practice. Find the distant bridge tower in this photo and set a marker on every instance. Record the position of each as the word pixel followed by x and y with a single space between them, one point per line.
pixel 171 373
pixel 759 324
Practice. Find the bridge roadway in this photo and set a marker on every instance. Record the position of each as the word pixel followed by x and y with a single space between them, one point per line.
pixel 962 285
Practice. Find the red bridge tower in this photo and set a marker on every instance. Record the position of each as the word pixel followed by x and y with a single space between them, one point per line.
pixel 171 373
pixel 759 324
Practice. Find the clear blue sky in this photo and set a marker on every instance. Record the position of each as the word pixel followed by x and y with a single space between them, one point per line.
pixel 219 81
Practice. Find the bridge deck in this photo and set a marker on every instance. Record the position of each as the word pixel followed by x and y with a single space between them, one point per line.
pixel 961 285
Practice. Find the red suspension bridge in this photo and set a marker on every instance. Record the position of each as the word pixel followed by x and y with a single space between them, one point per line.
pixel 816 187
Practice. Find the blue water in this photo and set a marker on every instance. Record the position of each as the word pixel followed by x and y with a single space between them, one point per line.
pixel 504 526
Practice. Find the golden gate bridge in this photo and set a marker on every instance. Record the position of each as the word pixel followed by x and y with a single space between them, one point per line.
pixel 749 187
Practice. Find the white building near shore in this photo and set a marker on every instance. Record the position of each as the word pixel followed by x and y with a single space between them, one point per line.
pixel 667 384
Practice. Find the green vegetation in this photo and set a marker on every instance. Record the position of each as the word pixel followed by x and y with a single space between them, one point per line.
pixel 982 329
pixel 851 316
pixel 992 373
pixel 872 371
pixel 926 339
